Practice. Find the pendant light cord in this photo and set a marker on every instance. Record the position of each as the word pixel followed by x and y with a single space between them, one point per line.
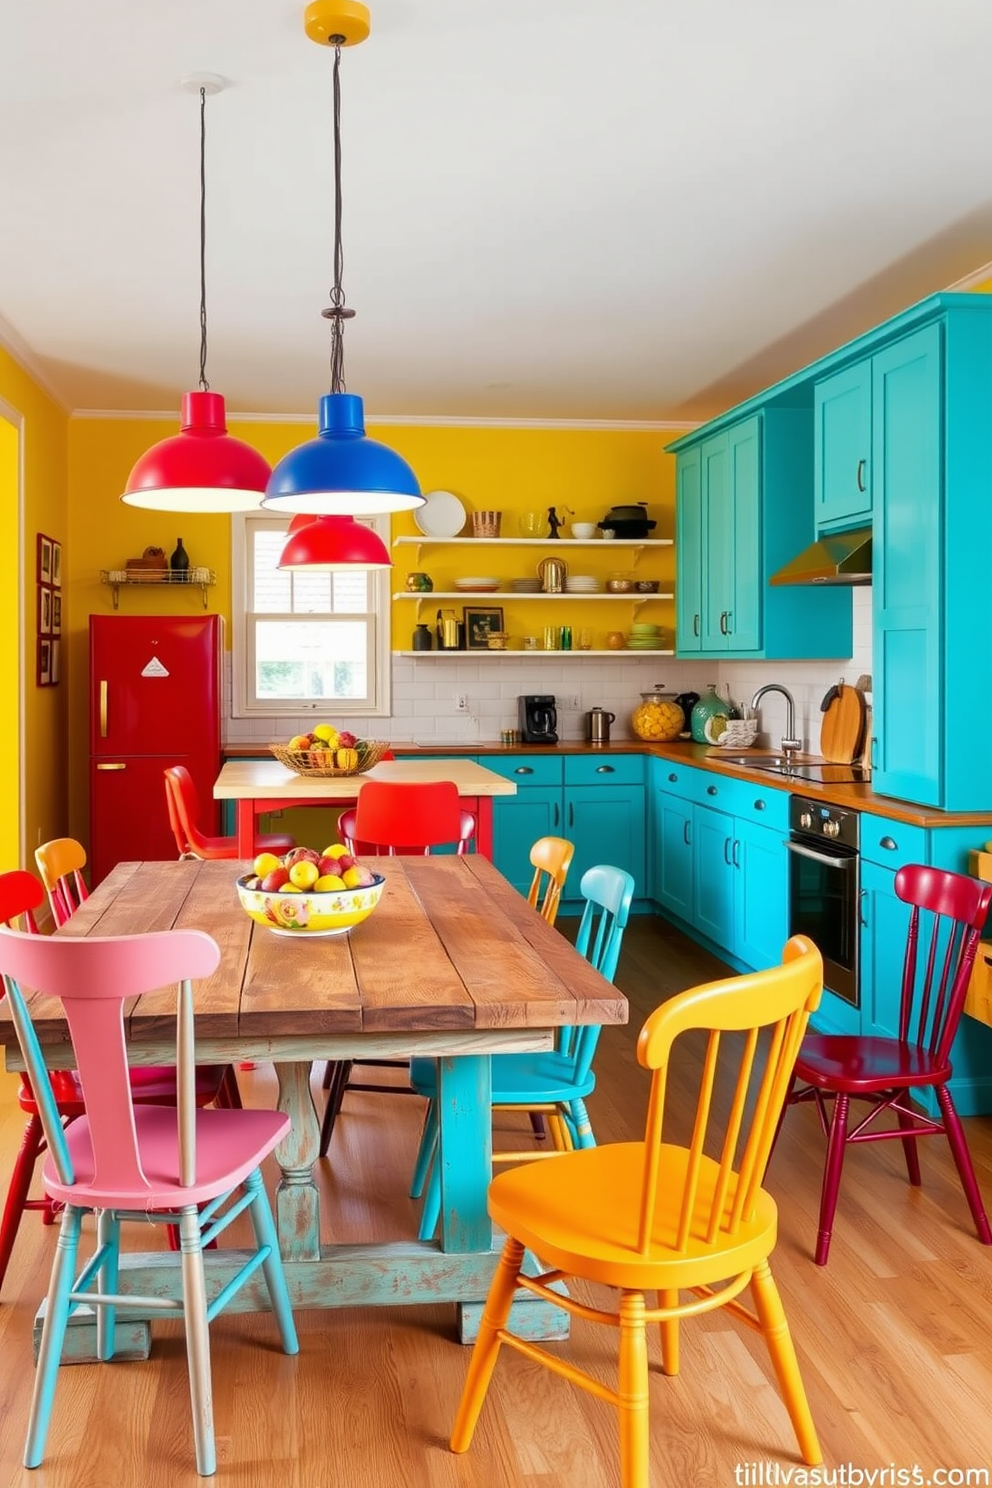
pixel 337 313
pixel 204 384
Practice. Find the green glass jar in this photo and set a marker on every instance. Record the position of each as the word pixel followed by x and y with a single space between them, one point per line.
pixel 710 705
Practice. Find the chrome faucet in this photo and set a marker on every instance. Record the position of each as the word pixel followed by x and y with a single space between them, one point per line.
pixel 789 744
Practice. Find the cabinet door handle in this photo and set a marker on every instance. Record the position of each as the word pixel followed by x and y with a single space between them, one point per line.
pixel 557 814
pixel 861 475
pixel 103 710
pixel 759 805
pixel 673 776
pixel 111 767
pixel 727 853
pixel 524 770
pixel 695 623
pixel 723 622
pixel 862 901
pixel 685 831
pixel 889 843
pixel 571 813
pixel 737 844
pixel 605 769
pixel 871 752
pixel 711 790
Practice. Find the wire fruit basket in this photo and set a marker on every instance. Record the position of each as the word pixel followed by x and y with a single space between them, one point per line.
pixel 303 762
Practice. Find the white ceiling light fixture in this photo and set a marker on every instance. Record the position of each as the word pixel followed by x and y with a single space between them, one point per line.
pixel 202 468
pixel 342 472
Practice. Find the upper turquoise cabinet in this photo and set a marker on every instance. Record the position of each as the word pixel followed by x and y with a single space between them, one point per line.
pixel 842 432
pixel 744 507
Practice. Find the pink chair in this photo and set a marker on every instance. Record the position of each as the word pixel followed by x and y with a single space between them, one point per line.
pixel 20 895
pixel 123 1161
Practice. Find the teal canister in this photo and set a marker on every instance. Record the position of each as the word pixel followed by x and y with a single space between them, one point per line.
pixel 710 704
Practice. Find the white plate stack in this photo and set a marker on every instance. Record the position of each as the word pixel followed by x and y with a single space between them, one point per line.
pixel 583 584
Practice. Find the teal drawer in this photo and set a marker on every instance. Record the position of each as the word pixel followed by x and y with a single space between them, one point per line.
pixel 893 843
pixel 707 788
pixel 677 780
pixel 763 807
pixel 525 769
pixel 596 769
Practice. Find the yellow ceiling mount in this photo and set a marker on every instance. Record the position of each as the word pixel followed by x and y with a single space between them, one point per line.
pixel 327 21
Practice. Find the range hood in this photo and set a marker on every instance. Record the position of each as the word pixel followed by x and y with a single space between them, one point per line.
pixel 842 558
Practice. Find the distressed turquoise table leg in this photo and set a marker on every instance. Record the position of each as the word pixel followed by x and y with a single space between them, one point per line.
pixel 297 1201
pixel 465 1157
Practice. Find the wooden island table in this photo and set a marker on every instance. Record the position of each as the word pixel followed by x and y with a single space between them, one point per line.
pixel 453 964
pixel 266 785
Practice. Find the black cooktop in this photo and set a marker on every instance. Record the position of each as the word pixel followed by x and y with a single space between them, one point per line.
pixel 825 774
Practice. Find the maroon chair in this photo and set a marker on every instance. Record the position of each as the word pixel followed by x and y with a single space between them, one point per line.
pixel 946 921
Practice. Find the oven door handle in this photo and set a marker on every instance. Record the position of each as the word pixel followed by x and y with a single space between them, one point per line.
pixel 842 860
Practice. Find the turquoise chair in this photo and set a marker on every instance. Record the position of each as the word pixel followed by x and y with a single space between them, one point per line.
pixel 558 1081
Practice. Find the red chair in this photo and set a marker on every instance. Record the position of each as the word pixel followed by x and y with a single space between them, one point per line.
pixel 20 895
pixel 945 924
pixel 392 817
pixel 180 794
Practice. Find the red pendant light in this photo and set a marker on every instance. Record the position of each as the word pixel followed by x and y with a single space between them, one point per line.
pixel 327 543
pixel 202 468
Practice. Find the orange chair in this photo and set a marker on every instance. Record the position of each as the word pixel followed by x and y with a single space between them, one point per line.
pixel 61 863
pixel 656 1216
pixel 393 817
pixel 180 794
pixel 551 858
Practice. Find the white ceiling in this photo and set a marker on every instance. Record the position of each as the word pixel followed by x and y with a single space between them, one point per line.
pixel 559 209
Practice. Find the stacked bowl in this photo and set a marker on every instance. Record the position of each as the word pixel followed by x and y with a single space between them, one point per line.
pixel 644 637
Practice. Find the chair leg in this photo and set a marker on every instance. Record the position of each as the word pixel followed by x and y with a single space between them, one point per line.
pixel 52 1336
pixel 264 1229
pixel 576 1113
pixel 633 1392
pixel 17 1193
pixel 781 1115
pixel 831 1177
pixel 197 1341
pixel 427 1150
pixel 537 1125
pixel 909 1146
pixel 335 1095
pixel 108 1237
pixel 775 1331
pixel 229 1094
pixel 963 1163
pixel 431 1212
pixel 487 1345
pixel 669 1334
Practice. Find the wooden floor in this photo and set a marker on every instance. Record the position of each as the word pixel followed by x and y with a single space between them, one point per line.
pixel 894 1336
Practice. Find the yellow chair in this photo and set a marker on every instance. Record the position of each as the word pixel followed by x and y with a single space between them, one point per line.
pixel 656 1216
pixel 551 858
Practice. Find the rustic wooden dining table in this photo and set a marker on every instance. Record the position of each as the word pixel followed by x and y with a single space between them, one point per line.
pixel 266 785
pixel 453 964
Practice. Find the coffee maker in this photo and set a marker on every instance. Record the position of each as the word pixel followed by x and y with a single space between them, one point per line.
pixel 538 719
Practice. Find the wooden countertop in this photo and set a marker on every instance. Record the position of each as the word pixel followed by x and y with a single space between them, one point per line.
pixel 702 756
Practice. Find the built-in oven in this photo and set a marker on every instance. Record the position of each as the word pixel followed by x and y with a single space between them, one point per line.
pixel 823 888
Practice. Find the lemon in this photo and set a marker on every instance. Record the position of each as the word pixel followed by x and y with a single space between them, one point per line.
pixel 327 882
pixel 337 851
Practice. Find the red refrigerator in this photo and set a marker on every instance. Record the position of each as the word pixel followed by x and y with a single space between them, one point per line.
pixel 155 685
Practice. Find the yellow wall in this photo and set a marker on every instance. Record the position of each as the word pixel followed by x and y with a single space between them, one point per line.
pixel 10 625
pixel 512 470
pixel 43 427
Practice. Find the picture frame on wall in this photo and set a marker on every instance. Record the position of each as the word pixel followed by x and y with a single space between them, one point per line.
pixel 44 661
pixel 480 624
pixel 55 654
pixel 56 613
pixel 44 559
pixel 44 610
pixel 56 565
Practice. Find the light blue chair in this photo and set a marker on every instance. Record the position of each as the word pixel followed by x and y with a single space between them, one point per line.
pixel 558 1081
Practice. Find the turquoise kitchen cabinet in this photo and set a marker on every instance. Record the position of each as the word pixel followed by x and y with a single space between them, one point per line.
pixel 594 801
pixel 744 507
pixel 842 450
pixel 719 861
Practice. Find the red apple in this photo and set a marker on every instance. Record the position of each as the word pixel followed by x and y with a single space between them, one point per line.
pixel 346 740
pixel 327 865
pixel 300 855
pixel 345 861
pixel 367 876
pixel 273 882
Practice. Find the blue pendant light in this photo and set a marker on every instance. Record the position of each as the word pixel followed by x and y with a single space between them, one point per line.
pixel 342 472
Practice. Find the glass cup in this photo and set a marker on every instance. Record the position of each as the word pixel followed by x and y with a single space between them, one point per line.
pixel 530 643
pixel 585 639
pixel 552 637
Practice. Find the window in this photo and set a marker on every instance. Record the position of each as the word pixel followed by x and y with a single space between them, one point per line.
pixel 305 642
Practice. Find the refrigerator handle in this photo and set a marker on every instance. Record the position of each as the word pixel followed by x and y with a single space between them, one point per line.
pixel 112 767
pixel 103 710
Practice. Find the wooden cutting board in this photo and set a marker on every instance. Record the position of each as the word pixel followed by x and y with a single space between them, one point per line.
pixel 843 726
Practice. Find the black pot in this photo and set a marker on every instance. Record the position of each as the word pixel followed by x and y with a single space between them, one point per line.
pixel 636 513
pixel 624 528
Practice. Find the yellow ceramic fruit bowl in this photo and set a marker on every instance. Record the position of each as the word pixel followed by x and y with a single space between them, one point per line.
pixel 307 913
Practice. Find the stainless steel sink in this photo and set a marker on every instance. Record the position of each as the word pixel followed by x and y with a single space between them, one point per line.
pixel 775 762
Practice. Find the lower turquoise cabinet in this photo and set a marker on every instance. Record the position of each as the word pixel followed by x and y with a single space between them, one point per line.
pixel 673 854
pixel 713 875
pixel 596 802
pixel 761 904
